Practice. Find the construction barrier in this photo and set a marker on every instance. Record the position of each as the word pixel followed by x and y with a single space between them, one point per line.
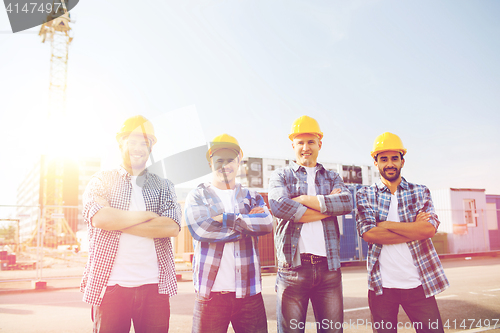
pixel 40 243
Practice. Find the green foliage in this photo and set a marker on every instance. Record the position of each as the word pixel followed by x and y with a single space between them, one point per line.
pixel 8 233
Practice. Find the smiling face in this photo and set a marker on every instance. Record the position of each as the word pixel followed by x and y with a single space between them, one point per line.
pixel 224 164
pixel 306 147
pixel 390 163
pixel 135 150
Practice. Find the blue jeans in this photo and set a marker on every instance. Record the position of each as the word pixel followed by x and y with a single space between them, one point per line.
pixel 149 310
pixel 423 312
pixel 213 314
pixel 297 286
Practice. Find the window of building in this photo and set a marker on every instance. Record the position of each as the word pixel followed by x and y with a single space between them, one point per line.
pixel 470 212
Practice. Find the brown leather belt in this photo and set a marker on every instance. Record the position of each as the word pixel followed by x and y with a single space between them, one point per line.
pixel 217 293
pixel 311 258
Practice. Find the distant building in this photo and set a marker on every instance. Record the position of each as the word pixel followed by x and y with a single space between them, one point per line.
pixel 38 189
pixel 255 172
pixel 464 227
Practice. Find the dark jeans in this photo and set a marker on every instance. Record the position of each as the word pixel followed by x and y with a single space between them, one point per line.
pixel 315 282
pixel 149 310
pixel 213 315
pixel 422 311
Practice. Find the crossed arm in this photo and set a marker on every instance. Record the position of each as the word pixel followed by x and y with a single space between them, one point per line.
pixel 142 223
pixel 387 232
pixel 313 212
pixel 226 227
pixel 307 208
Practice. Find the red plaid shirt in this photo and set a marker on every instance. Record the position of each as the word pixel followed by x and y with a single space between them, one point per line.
pixel 115 186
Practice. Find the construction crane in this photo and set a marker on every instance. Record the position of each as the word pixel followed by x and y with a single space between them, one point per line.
pixel 58 31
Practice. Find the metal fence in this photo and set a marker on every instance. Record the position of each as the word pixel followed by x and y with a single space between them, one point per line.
pixel 39 243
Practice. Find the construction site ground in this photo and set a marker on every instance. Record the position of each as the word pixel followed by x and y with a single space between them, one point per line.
pixel 471 301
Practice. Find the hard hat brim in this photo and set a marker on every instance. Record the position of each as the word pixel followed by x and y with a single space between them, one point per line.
pixel 215 146
pixel 293 135
pixel 150 136
pixel 376 152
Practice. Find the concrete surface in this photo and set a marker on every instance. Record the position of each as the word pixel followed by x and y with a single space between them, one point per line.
pixel 474 296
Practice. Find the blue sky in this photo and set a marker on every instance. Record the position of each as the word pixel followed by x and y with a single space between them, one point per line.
pixel 428 71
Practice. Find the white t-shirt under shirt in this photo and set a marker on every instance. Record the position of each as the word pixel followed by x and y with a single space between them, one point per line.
pixel 226 276
pixel 396 263
pixel 312 237
pixel 136 262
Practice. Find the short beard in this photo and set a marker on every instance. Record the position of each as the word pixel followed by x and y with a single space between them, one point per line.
pixel 390 178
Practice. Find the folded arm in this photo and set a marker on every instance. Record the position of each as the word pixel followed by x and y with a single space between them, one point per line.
pixel 138 223
pixel 420 229
pixel 282 205
pixel 388 232
pixel 381 235
pixel 257 222
pixel 226 227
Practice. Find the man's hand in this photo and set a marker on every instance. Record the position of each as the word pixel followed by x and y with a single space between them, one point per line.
pixel 336 191
pixel 423 217
pixel 257 210
pixel 101 201
pixel 219 218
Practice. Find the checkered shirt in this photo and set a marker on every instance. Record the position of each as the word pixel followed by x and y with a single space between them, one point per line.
pixel 209 237
pixel 115 186
pixel 373 206
pixel 290 182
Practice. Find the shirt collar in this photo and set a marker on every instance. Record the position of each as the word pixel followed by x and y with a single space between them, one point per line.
pixel 124 173
pixel 403 185
pixel 237 186
pixel 295 167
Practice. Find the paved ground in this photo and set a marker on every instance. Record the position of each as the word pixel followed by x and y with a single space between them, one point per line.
pixel 474 296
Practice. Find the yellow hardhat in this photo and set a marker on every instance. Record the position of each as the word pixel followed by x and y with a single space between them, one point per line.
pixel 138 124
pixel 387 142
pixel 224 141
pixel 303 125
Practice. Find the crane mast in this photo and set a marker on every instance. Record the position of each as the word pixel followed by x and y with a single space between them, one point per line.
pixel 57 31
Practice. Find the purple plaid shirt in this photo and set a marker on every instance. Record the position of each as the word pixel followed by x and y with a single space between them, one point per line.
pixel 115 186
pixel 290 182
pixel 373 206
pixel 210 236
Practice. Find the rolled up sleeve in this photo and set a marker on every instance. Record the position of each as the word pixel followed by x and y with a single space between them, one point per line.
pixel 365 214
pixel 282 205
pixel 341 203
pixel 95 188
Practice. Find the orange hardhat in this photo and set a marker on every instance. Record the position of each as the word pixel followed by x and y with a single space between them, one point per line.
pixel 303 125
pixel 224 141
pixel 137 124
pixel 387 142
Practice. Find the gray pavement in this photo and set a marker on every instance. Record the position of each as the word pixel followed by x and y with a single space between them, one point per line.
pixel 474 296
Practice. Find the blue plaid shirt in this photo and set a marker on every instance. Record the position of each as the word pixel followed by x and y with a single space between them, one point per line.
pixel 373 206
pixel 210 236
pixel 290 182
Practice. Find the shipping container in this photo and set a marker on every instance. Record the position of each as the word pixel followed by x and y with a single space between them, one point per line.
pixel 493 219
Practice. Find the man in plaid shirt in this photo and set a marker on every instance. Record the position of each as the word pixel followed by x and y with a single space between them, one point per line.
pixel 306 198
pixel 397 219
pixel 131 215
pixel 225 219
